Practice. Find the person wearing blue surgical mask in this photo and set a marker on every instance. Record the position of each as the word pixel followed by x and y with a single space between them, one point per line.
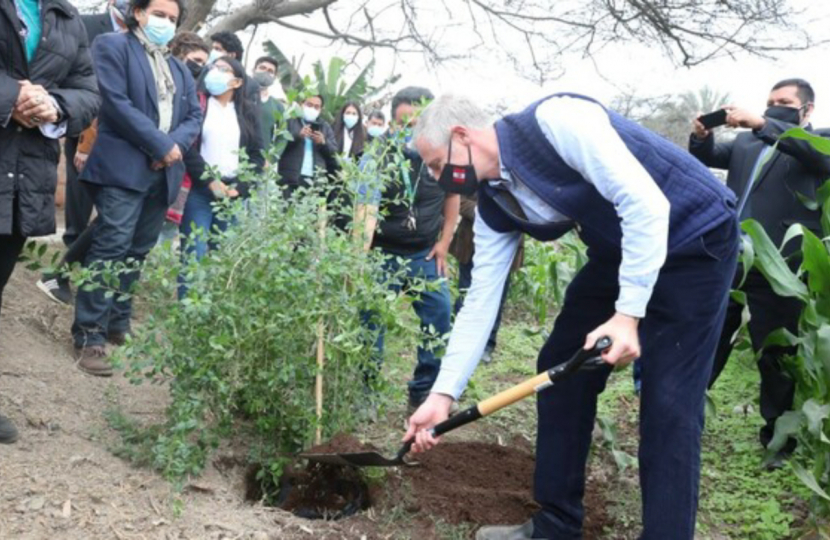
pixel 349 130
pixel 313 148
pixel 230 125
pixel 149 118
pixel 375 125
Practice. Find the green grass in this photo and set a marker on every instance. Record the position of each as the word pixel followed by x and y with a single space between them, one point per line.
pixel 738 497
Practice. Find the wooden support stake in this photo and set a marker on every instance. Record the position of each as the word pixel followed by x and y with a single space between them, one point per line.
pixel 321 353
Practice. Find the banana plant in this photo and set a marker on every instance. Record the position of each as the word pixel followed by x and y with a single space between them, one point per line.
pixel 329 81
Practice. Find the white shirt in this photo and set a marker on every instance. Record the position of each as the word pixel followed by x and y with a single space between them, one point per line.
pixel 220 138
pixel 582 135
pixel 347 141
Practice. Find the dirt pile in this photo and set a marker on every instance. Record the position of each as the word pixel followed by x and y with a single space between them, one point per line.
pixel 474 482
pixel 486 484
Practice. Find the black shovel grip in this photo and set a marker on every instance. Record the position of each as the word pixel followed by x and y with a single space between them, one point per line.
pixel 462 418
pixel 583 359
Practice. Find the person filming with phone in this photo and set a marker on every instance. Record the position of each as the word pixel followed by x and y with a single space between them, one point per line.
pixel 767 174
pixel 313 146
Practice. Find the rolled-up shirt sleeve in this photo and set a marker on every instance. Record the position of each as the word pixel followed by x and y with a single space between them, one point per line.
pixel 494 253
pixel 582 134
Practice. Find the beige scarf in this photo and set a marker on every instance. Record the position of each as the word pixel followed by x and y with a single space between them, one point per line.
pixel 165 84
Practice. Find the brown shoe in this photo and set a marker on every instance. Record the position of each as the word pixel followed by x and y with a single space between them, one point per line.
pixel 93 360
pixel 117 338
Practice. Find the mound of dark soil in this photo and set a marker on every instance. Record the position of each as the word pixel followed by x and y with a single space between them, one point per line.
pixel 486 484
pixel 474 482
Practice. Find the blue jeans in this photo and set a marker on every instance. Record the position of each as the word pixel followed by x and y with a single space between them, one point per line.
pixel 465 279
pixel 678 337
pixel 199 217
pixel 127 226
pixel 432 308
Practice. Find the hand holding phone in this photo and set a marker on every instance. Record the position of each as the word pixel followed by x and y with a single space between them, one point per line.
pixel 713 119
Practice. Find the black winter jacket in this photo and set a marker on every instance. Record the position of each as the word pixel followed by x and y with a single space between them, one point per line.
pixel 28 160
pixel 796 168
pixel 291 162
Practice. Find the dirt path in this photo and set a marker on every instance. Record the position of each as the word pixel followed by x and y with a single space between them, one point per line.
pixel 61 482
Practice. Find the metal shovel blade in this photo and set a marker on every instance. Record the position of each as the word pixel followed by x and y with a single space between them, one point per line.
pixel 358 459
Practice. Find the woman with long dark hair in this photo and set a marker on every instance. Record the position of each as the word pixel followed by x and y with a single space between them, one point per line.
pixel 350 131
pixel 230 124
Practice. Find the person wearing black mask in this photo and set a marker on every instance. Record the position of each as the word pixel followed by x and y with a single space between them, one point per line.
pixel 265 74
pixel 767 174
pixel 191 49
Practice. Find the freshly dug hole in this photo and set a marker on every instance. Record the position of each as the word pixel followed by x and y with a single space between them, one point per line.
pixel 318 490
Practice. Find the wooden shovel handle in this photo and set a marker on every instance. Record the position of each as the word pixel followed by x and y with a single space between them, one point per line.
pixel 582 359
pixel 513 394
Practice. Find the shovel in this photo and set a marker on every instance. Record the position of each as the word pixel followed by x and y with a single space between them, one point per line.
pixel 582 360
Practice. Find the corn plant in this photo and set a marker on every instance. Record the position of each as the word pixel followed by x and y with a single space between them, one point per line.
pixel 809 367
pixel 547 270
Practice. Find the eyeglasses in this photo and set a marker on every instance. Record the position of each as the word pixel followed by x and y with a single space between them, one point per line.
pixel 222 69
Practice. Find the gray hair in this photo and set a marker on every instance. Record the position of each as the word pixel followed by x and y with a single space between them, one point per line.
pixel 449 110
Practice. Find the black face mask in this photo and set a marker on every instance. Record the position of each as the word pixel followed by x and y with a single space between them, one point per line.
pixel 790 115
pixel 195 69
pixel 460 179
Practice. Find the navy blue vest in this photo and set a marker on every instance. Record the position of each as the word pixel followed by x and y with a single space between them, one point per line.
pixel 699 202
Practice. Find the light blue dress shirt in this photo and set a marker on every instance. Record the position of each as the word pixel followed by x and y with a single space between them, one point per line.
pixel 582 135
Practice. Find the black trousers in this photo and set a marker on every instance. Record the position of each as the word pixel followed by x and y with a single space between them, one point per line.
pixel 78 204
pixel 768 312
pixel 10 247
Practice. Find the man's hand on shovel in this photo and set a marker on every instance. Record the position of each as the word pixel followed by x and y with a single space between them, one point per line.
pixel 433 411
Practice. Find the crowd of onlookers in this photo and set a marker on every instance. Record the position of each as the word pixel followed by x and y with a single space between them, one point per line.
pixel 154 121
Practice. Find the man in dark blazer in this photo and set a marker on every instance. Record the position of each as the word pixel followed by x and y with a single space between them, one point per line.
pixel 149 117
pixel 767 181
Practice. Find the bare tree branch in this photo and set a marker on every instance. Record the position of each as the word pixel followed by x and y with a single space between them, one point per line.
pixel 533 35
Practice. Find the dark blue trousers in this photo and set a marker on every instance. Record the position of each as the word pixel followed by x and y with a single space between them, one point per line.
pixel 127 227
pixel 678 336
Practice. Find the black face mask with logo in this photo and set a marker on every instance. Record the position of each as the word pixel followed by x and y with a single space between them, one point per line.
pixel 459 179
pixel 195 69
pixel 790 115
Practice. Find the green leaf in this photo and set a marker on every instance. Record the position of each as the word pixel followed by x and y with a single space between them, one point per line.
pixel 623 459
pixel 817 264
pixel 747 257
pixel 795 230
pixel 781 338
pixel 787 425
pixel 287 74
pixel 360 86
pixel 772 265
pixel 815 414
pixel 809 480
pixel 823 198
pixel 820 144
pixel 809 203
